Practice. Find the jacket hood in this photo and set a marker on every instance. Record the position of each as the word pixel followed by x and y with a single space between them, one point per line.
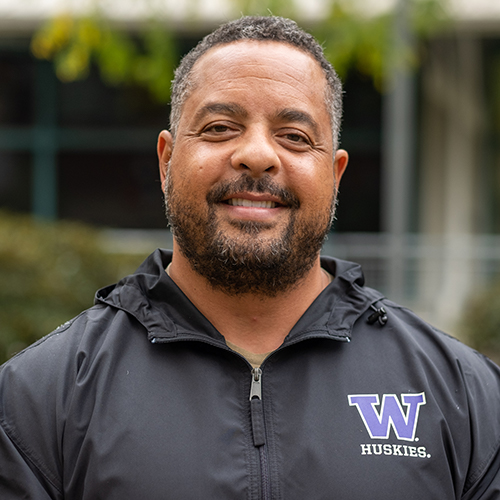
pixel 153 298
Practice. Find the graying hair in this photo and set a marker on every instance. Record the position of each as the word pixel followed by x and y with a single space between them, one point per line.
pixel 268 28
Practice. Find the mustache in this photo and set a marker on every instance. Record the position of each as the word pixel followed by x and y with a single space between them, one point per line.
pixel 225 189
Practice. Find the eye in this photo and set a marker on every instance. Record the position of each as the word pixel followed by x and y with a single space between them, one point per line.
pixel 218 131
pixel 294 139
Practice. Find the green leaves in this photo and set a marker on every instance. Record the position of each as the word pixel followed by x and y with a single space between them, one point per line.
pixel 49 273
pixel 155 69
pixel 74 44
pixel 370 43
pixel 355 42
pixel 353 39
pixel 70 42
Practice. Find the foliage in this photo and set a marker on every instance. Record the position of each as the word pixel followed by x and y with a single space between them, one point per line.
pixel 146 58
pixel 371 44
pixel 352 39
pixel 49 273
pixel 480 324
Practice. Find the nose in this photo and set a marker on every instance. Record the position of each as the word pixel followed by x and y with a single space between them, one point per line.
pixel 256 151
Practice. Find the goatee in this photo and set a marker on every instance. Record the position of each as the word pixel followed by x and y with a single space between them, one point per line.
pixel 249 263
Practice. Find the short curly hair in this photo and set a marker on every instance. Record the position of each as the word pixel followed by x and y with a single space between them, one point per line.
pixel 266 28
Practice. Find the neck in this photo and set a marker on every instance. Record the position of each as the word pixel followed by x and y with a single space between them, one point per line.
pixel 254 322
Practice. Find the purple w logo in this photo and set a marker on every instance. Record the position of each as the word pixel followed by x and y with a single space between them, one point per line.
pixel 391 414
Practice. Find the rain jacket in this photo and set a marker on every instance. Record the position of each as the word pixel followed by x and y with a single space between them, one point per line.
pixel 140 398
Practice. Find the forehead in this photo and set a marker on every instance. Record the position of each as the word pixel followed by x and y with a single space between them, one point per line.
pixel 256 51
pixel 268 67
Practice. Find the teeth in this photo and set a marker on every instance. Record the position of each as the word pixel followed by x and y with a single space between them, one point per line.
pixel 240 202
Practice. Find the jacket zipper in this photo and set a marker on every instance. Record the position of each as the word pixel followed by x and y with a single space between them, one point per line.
pixel 258 430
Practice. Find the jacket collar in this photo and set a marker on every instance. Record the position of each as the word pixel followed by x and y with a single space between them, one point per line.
pixel 167 314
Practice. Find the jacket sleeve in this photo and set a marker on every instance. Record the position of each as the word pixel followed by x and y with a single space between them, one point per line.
pixel 33 388
pixel 488 487
pixel 482 378
pixel 17 477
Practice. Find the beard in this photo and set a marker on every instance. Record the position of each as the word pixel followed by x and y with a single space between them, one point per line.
pixel 250 262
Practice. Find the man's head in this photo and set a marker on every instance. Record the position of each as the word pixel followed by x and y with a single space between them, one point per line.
pixel 251 178
pixel 269 28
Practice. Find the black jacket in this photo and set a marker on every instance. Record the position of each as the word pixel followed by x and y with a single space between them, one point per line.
pixel 140 398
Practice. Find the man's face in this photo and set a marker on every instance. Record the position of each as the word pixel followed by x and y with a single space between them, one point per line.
pixel 250 182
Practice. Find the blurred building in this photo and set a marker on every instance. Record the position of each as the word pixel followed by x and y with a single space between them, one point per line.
pixel 419 205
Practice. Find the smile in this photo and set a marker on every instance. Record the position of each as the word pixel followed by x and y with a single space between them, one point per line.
pixel 240 202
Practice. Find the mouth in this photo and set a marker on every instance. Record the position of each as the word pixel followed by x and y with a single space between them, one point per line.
pixel 243 202
pixel 247 193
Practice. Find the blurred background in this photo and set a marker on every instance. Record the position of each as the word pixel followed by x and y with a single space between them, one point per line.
pixel 84 91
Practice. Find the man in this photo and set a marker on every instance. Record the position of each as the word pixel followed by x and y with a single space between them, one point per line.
pixel 241 365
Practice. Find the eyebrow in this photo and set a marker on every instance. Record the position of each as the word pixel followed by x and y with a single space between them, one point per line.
pixel 234 109
pixel 230 108
pixel 295 115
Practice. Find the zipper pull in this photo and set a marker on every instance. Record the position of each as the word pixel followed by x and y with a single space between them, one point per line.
pixel 256 409
pixel 256 387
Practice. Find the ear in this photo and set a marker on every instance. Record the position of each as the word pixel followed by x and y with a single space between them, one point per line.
pixel 164 149
pixel 340 164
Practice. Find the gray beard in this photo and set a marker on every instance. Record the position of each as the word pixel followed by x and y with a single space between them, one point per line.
pixel 247 264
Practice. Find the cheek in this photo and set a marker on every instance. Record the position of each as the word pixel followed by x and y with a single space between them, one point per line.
pixel 315 184
pixel 199 164
pixel 192 181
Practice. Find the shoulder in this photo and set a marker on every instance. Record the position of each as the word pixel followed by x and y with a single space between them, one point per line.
pixel 36 385
pixel 415 340
pixel 66 352
pixel 53 349
pixel 43 374
pixel 460 386
pixel 35 389
pixel 409 327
